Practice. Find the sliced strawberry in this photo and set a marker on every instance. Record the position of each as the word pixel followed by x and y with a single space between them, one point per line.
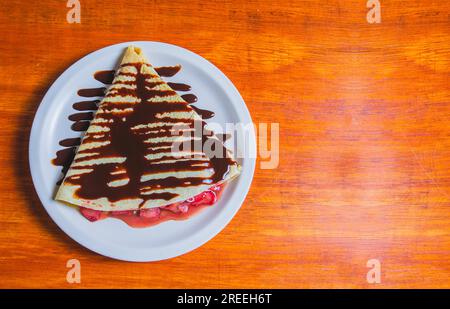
pixel 195 200
pixel 172 207
pixel 150 212
pixel 207 197
pixel 122 212
pixel 91 214
pixel 183 207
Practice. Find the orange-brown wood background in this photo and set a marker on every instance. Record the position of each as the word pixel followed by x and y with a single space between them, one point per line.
pixel 364 150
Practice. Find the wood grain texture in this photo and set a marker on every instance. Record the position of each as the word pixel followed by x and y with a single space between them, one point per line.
pixel 364 152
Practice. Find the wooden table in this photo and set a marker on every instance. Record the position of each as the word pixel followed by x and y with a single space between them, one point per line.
pixel 364 150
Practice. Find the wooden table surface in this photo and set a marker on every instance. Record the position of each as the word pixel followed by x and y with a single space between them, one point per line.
pixel 364 148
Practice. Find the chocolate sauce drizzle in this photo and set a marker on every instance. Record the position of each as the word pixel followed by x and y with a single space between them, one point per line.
pixel 86 105
pixel 168 71
pixel 106 77
pixel 64 157
pixel 92 92
pixel 179 87
pixel 126 143
pixel 206 114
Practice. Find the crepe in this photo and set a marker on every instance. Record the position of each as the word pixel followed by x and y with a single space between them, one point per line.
pixel 127 159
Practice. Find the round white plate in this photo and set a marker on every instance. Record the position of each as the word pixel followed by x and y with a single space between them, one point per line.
pixel 112 237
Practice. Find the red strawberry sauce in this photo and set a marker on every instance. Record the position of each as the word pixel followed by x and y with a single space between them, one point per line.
pixel 153 216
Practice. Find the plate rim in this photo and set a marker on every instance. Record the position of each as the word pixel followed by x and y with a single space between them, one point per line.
pixel 61 222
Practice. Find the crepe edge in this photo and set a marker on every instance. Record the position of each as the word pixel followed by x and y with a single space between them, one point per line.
pixel 67 194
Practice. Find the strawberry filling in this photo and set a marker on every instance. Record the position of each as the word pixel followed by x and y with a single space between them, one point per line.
pixel 151 216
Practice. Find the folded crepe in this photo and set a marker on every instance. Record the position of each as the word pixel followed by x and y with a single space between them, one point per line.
pixel 129 157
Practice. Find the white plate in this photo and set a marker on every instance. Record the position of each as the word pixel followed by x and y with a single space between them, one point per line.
pixel 112 237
